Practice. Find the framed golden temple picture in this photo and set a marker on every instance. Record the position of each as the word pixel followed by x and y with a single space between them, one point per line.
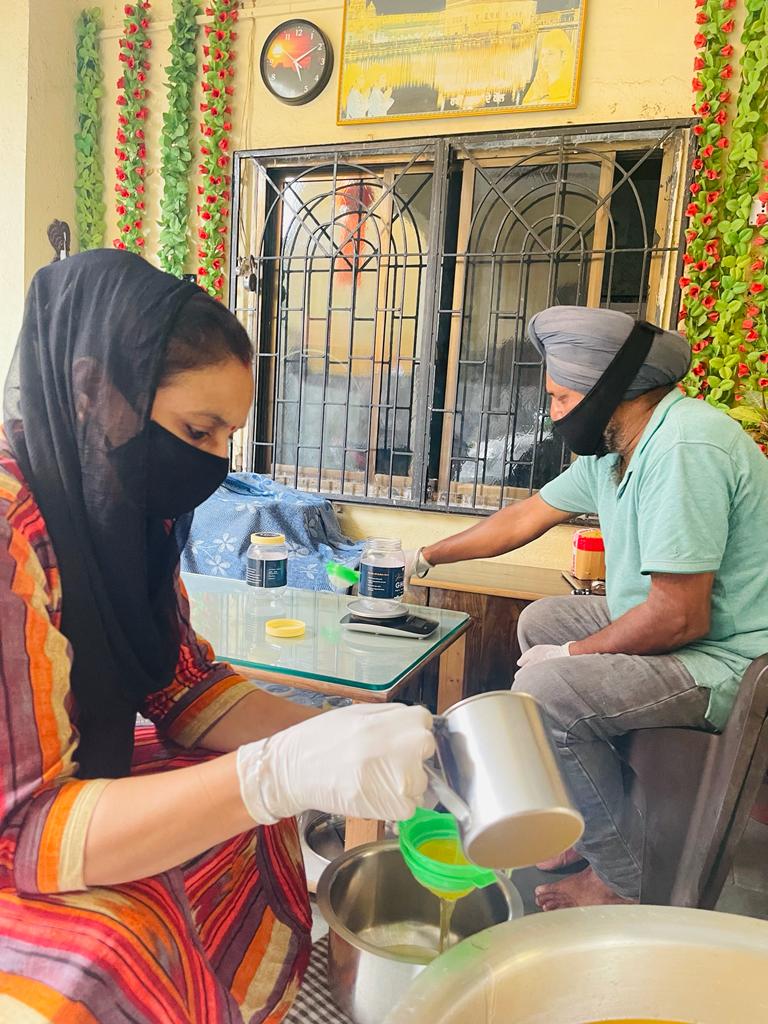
pixel 408 59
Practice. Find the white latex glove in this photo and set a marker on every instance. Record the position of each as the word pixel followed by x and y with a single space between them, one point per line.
pixel 364 761
pixel 410 563
pixel 543 652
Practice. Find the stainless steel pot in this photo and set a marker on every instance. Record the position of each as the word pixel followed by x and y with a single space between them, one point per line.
pixel 384 926
pixel 599 964
pixel 502 781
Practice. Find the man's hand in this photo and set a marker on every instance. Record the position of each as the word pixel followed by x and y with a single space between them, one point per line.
pixel 543 652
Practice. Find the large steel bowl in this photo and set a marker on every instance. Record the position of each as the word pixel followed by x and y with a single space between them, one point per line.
pixel 372 903
pixel 599 964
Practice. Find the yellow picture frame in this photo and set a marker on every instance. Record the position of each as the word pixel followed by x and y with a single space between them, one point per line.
pixel 405 60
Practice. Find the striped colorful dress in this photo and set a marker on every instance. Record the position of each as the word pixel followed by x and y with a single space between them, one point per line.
pixel 220 940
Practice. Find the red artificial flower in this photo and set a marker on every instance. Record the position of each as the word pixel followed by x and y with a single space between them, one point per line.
pixel 223 161
pixel 756 287
pixel 701 18
pixel 758 265
pixel 205 215
pixel 712 197
pixel 699 369
pixel 752 310
pixel 122 120
pixel 709 302
pixel 125 228
pixel 121 100
pixel 701 266
pixel 711 174
pixel 202 233
pixel 694 291
pixel 202 271
pixel 141 76
pixel 748 323
pixel 147 44
pixel 697 164
pixel 713 317
pixel 764 357
pixel 725 96
pixel 687 259
pixel 684 282
pixel 140 205
pixel 118 244
pixel 728 26
pixel 120 174
pixel 142 152
pixel 144 23
pixel 691 210
pixel 763 448
pixel 229 91
pixel 121 154
pixel 723 143
pixel 142 114
pixel 695 188
pixel 222 74
pixel 726 51
pixel 129 11
pixel 121 136
pixel 227 126
pixel 219 282
pixel 708 151
pixel 698 129
pixel 120 210
pixel 742 370
pixel 140 189
pixel 707 219
pixel 742 348
pixel 206 68
pixel 751 335
pixel 762 382
pixel 224 146
pixel 699 40
pixel 705 109
pixel 761 219
pixel 698 346
pixel 699 63
pixel 721 117
pixel 131 63
pixel 727 72
pixel 132 29
pixel 139 133
pixel 728 5
pixel 711 248
pixel 205 151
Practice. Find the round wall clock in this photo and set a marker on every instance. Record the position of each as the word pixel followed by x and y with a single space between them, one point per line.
pixel 296 61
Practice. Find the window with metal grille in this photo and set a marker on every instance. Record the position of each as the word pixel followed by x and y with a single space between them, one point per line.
pixel 387 288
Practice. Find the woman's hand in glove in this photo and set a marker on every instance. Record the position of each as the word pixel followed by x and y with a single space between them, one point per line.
pixel 364 761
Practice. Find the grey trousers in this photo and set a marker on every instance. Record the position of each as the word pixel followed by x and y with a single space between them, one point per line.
pixel 589 700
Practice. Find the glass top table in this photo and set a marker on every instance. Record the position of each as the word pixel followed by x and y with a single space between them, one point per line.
pixel 231 615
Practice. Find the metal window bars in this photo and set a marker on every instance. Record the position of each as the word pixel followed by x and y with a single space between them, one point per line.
pixel 387 288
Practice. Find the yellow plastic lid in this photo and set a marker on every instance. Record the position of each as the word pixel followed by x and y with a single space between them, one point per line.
pixel 267 538
pixel 285 627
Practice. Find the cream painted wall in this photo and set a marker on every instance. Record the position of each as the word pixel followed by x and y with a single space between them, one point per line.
pixel 14 55
pixel 37 58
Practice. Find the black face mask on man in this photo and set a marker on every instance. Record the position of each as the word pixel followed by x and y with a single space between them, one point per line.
pixel 584 426
pixel 179 476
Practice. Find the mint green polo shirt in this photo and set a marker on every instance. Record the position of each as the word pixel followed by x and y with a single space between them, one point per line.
pixel 694 498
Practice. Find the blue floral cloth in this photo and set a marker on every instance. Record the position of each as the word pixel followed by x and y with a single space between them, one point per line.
pixel 249 503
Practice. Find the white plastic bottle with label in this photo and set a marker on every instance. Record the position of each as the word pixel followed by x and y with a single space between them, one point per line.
pixel 382 574
pixel 267 568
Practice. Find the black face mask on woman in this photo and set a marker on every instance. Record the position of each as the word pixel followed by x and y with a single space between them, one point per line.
pixel 583 427
pixel 179 476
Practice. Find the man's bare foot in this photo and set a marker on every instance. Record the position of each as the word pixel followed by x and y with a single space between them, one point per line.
pixel 584 889
pixel 563 860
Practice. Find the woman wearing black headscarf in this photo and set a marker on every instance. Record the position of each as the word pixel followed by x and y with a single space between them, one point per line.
pixel 143 878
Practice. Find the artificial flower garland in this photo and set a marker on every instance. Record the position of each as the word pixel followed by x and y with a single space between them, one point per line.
pixel 131 150
pixel 89 165
pixel 725 281
pixel 214 191
pixel 175 144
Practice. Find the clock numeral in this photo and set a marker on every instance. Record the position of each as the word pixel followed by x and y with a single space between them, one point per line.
pixel 299 32
pixel 317 78
pixel 273 77
pixel 311 35
pixel 306 88
pixel 322 62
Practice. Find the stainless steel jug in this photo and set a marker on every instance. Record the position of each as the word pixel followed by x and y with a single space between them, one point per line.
pixel 501 779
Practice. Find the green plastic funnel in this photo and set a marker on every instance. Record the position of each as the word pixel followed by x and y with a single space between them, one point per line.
pixel 340 576
pixel 451 876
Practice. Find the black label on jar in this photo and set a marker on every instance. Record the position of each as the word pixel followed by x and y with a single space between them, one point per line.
pixel 267 572
pixel 386 582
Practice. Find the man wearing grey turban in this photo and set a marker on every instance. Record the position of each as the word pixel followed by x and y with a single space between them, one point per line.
pixel 681 493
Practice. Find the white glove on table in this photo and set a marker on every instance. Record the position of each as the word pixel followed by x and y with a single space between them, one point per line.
pixel 363 761
pixel 543 652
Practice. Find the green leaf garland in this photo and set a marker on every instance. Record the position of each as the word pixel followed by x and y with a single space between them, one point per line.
pixel 214 191
pixel 131 150
pixel 725 282
pixel 176 150
pixel 89 163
